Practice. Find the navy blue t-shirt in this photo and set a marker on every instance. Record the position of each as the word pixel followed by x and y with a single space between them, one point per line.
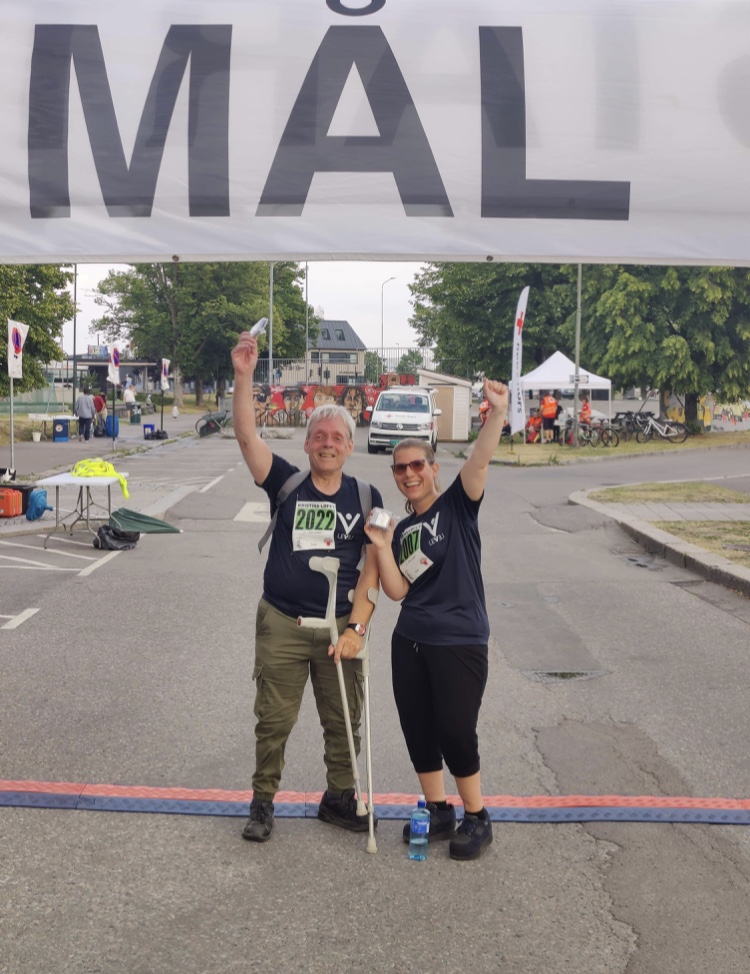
pixel 312 523
pixel 445 604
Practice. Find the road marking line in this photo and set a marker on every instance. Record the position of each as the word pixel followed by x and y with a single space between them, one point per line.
pixel 31 547
pixel 16 621
pixel 212 484
pixel 30 563
pixel 101 561
pixel 254 511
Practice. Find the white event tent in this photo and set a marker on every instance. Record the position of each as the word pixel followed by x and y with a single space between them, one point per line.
pixel 558 372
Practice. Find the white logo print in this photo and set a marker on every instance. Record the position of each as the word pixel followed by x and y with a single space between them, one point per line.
pixel 432 525
pixel 348 521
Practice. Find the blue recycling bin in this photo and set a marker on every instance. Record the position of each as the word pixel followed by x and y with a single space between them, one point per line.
pixel 60 428
pixel 110 421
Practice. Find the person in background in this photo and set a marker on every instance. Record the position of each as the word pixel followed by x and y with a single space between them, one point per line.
pixel 322 515
pixel 533 426
pixel 128 398
pixel 548 409
pixel 85 410
pixel 431 562
pixel 584 416
pixel 100 404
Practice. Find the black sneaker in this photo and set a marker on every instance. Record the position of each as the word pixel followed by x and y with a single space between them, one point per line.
pixel 342 810
pixel 442 823
pixel 472 837
pixel 259 826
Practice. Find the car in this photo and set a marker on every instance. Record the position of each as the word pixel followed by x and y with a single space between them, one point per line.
pixel 400 414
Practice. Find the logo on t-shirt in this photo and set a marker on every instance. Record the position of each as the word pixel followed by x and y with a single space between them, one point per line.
pixel 347 522
pixel 432 529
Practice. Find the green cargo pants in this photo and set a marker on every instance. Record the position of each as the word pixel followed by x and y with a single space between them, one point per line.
pixel 285 654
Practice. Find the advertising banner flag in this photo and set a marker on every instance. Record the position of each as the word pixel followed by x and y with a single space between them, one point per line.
pixel 566 131
pixel 165 374
pixel 17 333
pixel 517 410
pixel 113 373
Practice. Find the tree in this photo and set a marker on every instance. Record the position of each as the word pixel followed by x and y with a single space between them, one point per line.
pixel 193 313
pixel 410 361
pixel 677 329
pixel 36 295
pixel 374 367
pixel 466 311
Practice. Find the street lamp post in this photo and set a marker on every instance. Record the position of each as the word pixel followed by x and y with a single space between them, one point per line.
pixel 382 343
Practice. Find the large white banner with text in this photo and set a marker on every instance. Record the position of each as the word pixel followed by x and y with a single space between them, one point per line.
pixel 555 130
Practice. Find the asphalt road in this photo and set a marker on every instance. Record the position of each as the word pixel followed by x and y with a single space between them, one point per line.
pixel 140 673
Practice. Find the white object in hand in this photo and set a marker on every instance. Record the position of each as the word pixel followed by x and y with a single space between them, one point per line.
pixel 380 518
pixel 259 328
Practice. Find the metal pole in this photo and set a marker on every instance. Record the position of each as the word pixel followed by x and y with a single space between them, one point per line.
pixel 382 342
pixel 75 321
pixel 578 357
pixel 12 444
pixel 270 326
pixel 307 330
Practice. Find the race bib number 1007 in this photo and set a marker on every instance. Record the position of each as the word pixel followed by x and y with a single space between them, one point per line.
pixel 314 523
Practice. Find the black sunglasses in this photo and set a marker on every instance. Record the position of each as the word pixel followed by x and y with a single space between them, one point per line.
pixel 415 465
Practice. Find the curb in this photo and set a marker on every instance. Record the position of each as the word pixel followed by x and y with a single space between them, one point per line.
pixel 714 568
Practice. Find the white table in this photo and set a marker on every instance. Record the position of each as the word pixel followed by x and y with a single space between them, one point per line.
pixel 43 418
pixel 85 501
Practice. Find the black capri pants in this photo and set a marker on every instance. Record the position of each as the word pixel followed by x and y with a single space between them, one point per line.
pixel 438 691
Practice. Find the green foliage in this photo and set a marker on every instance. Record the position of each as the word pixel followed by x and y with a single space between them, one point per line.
pixel 37 296
pixel 467 311
pixel 374 367
pixel 685 329
pixel 192 313
pixel 409 362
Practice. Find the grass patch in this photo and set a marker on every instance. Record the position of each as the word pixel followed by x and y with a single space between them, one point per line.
pixel 730 539
pixel 687 492
pixel 538 454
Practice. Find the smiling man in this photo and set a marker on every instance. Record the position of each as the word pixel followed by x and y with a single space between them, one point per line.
pixel 322 513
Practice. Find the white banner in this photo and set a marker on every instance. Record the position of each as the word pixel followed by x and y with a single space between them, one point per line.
pixel 517 405
pixel 113 372
pixel 17 333
pixel 534 130
pixel 165 374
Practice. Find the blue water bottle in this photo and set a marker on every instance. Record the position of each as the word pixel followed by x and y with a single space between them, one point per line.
pixel 419 831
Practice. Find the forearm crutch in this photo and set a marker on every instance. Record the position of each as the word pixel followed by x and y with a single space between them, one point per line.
pixel 329 567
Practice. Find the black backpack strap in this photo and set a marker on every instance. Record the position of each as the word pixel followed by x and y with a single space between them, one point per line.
pixel 289 485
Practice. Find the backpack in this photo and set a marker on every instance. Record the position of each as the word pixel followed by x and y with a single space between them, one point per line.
pixel 293 482
pixel 100 428
pixel 114 539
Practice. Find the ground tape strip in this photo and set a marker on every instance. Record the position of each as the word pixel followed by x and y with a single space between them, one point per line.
pixel 562 814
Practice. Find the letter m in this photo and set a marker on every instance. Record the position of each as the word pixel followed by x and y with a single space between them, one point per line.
pixel 128 190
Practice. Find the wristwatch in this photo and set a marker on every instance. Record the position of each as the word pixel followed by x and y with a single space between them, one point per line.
pixel 358 628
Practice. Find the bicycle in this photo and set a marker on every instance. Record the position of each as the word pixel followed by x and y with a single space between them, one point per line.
pixel 667 429
pixel 608 435
pixel 587 435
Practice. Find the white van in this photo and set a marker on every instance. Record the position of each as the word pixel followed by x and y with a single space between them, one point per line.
pixel 402 412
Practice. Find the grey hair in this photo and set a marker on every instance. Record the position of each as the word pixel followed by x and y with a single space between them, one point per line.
pixel 330 411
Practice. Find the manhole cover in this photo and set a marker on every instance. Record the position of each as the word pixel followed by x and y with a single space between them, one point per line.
pixel 558 676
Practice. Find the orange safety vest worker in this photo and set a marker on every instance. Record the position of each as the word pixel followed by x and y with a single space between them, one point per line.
pixel 549 407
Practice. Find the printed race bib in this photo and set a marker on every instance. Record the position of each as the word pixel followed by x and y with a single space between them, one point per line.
pixel 411 560
pixel 314 523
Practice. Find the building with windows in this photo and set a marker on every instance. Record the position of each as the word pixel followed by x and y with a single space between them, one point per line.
pixel 339 356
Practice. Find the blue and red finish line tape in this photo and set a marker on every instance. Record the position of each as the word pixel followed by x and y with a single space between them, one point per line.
pixel 295 804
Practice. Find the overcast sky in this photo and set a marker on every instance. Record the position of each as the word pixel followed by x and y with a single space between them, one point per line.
pixel 341 290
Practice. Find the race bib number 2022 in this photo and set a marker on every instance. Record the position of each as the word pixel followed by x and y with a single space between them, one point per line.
pixel 314 523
